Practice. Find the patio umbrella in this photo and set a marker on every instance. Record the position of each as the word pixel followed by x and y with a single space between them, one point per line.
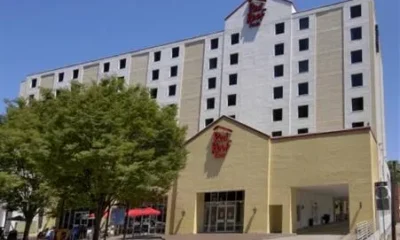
pixel 151 212
pixel 17 218
pixel 136 212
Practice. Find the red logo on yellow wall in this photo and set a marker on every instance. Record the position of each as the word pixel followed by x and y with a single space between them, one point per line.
pixel 221 141
pixel 256 12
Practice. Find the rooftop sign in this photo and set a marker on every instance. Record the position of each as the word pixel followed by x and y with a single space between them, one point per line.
pixel 256 12
pixel 221 141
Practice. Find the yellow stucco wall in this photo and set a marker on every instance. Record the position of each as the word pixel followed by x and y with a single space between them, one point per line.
pixel 271 171
pixel 244 168
pixel 325 159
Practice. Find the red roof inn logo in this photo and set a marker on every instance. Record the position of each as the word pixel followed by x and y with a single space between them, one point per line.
pixel 256 12
pixel 221 141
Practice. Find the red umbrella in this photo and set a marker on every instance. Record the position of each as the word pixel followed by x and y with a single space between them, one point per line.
pixel 136 212
pixel 151 212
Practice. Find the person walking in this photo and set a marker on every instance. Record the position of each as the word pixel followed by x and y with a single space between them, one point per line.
pixel 50 234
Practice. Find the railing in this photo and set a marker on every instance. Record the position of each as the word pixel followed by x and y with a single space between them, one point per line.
pixel 364 230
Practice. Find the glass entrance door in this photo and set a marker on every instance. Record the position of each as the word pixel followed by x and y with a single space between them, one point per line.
pixel 230 218
pixel 81 218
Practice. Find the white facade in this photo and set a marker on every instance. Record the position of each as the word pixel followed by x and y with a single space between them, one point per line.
pixel 256 80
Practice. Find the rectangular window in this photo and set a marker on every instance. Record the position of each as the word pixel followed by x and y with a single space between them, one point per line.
pixel 75 74
pixel 122 63
pixel 172 90
pixel 232 100
pixel 356 56
pixel 213 62
pixel 234 58
pixel 34 83
pixel 233 79
pixel 155 74
pixel 303 111
pixel 209 121
pixel 355 11
pixel 277 115
pixel 279 49
pixel 214 43
pixel 106 67
pixel 304 23
pixel 303 44
pixel 175 52
pixel 157 56
pixel 357 124
pixel 278 92
pixel 31 97
pixel 174 71
pixel 357 80
pixel 235 38
pixel 303 66
pixel 153 93
pixel 60 77
pixel 357 104
pixel 377 44
pixel 279 71
pixel 212 83
pixel 356 33
pixel 232 116
pixel 121 78
pixel 302 131
pixel 210 103
pixel 279 28
pixel 276 134
pixel 303 88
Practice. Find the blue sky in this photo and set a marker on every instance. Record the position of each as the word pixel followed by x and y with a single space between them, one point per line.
pixel 39 35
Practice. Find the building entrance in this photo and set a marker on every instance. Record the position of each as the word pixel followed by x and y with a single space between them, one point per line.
pixel 223 212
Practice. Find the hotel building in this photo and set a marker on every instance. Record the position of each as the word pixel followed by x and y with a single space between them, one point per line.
pixel 282 76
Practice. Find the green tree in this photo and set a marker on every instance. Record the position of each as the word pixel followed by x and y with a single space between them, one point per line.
pixel 394 168
pixel 22 186
pixel 111 142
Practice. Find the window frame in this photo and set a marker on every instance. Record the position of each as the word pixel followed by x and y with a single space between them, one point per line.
pixel 155 72
pixel 304 44
pixel 210 65
pixel 210 103
pixel 357 78
pixel 354 55
pixel 59 78
pixel 214 41
pixel 303 112
pixel 276 49
pixel 215 83
pixel 356 35
pixel 299 88
pixel 157 56
pixel 234 96
pixel 355 14
pixel 300 68
pixel 175 52
pixel 172 88
pixel 234 59
pixel 277 110
pixel 277 28
pixel 304 23
pixel 278 92
pixel 122 60
pixel 233 79
pixel 174 71
pixel 354 104
pixel 235 41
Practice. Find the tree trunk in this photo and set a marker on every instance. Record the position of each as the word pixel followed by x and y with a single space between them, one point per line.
pixel 108 217
pixel 97 220
pixel 126 221
pixel 28 223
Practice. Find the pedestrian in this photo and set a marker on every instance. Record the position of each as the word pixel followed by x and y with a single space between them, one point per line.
pixel 50 234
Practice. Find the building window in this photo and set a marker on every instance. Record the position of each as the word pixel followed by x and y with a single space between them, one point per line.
pixel 234 58
pixel 304 23
pixel 377 44
pixel 357 124
pixel 155 74
pixel 153 93
pixel 356 56
pixel 277 115
pixel 106 67
pixel 302 131
pixel 232 100
pixel 157 56
pixel 303 111
pixel 60 77
pixel 279 28
pixel 210 103
pixel 357 104
pixel 356 33
pixel 122 78
pixel 34 83
pixel 172 90
pixel 278 70
pixel 209 121
pixel 357 80
pixel 355 11
pixel 276 134
pixel 303 44
pixel 279 49
pixel 122 63
pixel 233 79
pixel 213 62
pixel 235 38
pixel 232 116
pixel 214 43
pixel 75 74
pixel 303 66
pixel 303 88
pixel 31 97
pixel 175 52
pixel 174 71
pixel 212 83
pixel 278 92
